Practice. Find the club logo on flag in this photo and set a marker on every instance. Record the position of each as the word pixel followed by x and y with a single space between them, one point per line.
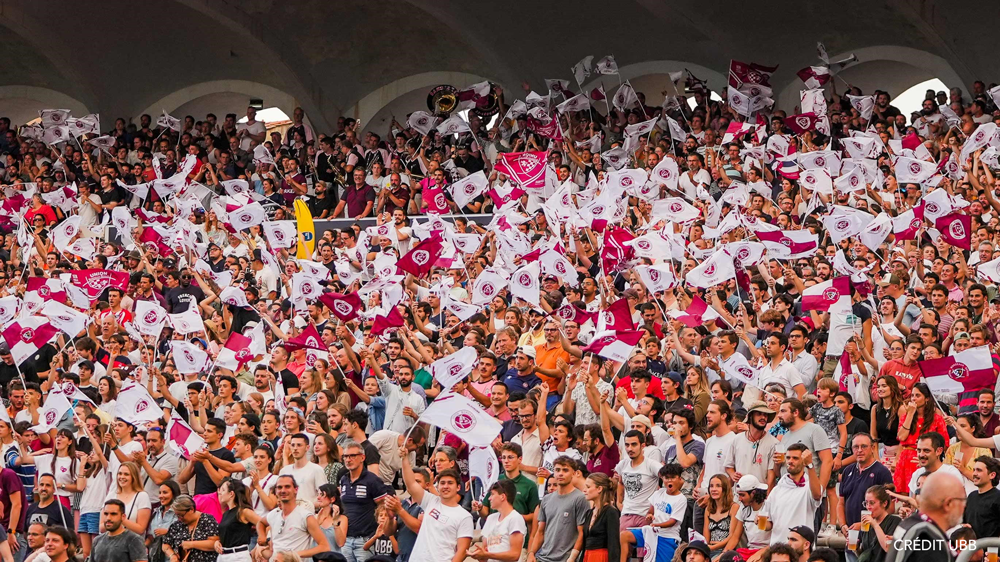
pixel 69 389
pixel 455 369
pixel 643 245
pixel 243 355
pixel 524 279
pixel 745 371
pixel 978 137
pixel 915 223
pixel 151 317
pixel 420 257
pixel 598 210
pixel 50 417
pixel 958 371
pixel 188 356
pixel 560 268
pixel 488 289
pixel 676 207
pixel 44 291
pixel 915 168
pixel 27 335
pixel 820 161
pixel 463 421
pixel 141 406
pixel 565 312
pixel 784 241
pixel 710 270
pixel 654 275
pixel 343 308
pixel 306 289
pixel 842 224
pixel 802 121
pixel 831 294
pixel 742 254
pixel 854 181
pixel 665 173
pixel 608 340
pixel 956 229
pixel 626 181
pixel 931 208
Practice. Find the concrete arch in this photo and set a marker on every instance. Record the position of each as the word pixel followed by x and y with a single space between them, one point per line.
pixel 876 67
pixel 403 96
pixel 21 103
pixel 649 77
pixel 272 96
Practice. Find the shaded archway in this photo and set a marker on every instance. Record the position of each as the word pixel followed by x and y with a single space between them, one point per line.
pixel 21 103
pixel 220 97
pixel 653 77
pixel 884 67
pixel 401 97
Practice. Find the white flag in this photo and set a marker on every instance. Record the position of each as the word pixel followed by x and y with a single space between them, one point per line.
pixel 181 437
pixel 136 406
pixel 423 122
pixel 187 322
pixel 581 70
pixel 524 283
pixel 876 231
pixel 713 271
pixel 56 405
pixel 65 318
pixel 247 216
pixel 53 117
pixel 468 188
pixel 483 464
pixel 453 368
pixel 607 65
pixel 738 367
pixel 188 357
pixel 280 234
pixel 578 102
pixel 488 284
pixel 909 170
pixel 459 416
pixel 86 125
pixel 453 126
pixel 169 122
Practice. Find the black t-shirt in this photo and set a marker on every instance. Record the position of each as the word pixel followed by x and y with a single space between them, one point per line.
pixel 854 427
pixel 42 361
pixel 203 483
pixel 113 195
pixel 50 514
pixel 9 373
pixel 288 380
pixel 317 205
pixel 919 528
pixel 371 453
pixel 982 513
pixel 180 298
pixel 242 317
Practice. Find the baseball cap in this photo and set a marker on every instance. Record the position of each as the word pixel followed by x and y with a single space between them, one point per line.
pixel 889 279
pixel 528 350
pixel 676 377
pixel 643 420
pixel 806 533
pixel 749 482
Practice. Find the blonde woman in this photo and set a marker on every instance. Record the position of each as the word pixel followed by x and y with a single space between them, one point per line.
pixel 698 391
pixel 128 490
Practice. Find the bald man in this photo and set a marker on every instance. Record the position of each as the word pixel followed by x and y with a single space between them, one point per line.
pixel 942 503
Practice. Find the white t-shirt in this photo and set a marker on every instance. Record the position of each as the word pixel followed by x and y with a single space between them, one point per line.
pixel 114 464
pixel 702 177
pixel 132 507
pixel 788 505
pixel 294 535
pixel 64 472
pixel 665 508
pixel 256 128
pixel 92 498
pixel 639 482
pixel 549 458
pixel 266 484
pixel 497 532
pixel 441 528
pixel 309 478
pixel 756 538
pixel 947 469
pixel 718 453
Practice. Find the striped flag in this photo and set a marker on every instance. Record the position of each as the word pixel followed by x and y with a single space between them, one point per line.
pixel 181 437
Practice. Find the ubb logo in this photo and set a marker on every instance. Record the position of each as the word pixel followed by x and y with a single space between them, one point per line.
pixel 306 288
pixel 50 417
pixel 69 389
pixel 665 173
pixel 854 181
pixel 469 188
pixel 957 229
pixel 736 101
pixel 842 224
pixel 440 201
pixel 463 421
pixel 821 161
pixel 44 291
pixel 643 244
pixel 243 355
pixel 188 356
pixel 27 335
pixel 915 223
pixel 598 210
pixel 70 231
pixel 743 254
pixel 676 207
pixel 831 294
pixel 312 341
pixel 560 267
pixel 565 312
pixel 455 369
pixel 626 181
pixel 422 120
pixel 420 257
pixel 343 308
pixel 383 230
pixel 528 161
pixel 745 371
pixel 654 275
pixel 915 168
pixel 809 178
pixel 755 91
pixel 279 235
pixel 803 122
pixel 141 406
pixel 979 136
pixel 606 340
pixel 524 280
pixel 710 270
pixel 151 317
pixel 958 371
pixel 932 208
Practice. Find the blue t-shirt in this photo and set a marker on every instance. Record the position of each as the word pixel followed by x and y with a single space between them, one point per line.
pixel 520 384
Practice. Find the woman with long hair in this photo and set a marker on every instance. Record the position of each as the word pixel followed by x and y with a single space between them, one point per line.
pixel 309 385
pixel 63 466
pixel 962 455
pixel 918 416
pixel 163 518
pixel 330 516
pixel 600 530
pixel 881 523
pixel 720 515
pixel 326 453
pixel 697 390
pixel 238 522
pixel 885 417
pixel 128 489
pixel 109 394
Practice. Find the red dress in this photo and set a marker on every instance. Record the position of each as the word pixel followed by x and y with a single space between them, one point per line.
pixel 906 461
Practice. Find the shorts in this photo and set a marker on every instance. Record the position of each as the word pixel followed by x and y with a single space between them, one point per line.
pixel 627 521
pixel 665 546
pixel 90 523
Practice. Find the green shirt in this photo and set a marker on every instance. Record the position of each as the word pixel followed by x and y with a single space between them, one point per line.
pixel 424 378
pixel 527 495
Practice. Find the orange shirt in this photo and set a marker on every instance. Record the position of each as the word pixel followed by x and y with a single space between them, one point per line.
pixel 546 357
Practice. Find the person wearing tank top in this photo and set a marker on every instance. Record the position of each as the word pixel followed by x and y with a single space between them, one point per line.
pixel 238 521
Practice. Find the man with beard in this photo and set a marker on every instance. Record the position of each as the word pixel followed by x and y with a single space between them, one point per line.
pixel 402 404
pixel 753 449
pixel 941 506
pixel 117 544
pixel 181 294
pixel 989 418
pixel 930 451
pixel 797 495
pixel 982 510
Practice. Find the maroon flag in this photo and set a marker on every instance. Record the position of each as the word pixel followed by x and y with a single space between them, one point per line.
pixel 802 122
pixel 571 313
pixel 615 252
pixel 501 196
pixel 744 75
pixel 26 336
pixel 616 317
pixel 95 281
pixel 814 76
pixel 436 201
pixel 616 346
pixel 382 323
pixel 789 244
pixel 955 229
pixel 236 353
pixel 151 240
pixel 548 129
pixel 598 94
pixel 694 313
pixel 308 339
pixel 824 295
pixel 911 141
pixel 346 307
pixel 420 260
pixel 527 169
pixel 47 289
pixel 967 370
pixel 906 224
